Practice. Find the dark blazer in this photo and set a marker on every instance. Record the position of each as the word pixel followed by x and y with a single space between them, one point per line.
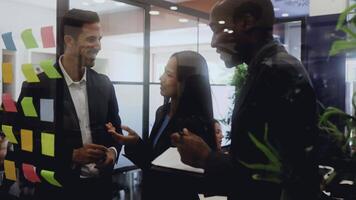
pixel 278 93
pixel 103 108
pixel 160 185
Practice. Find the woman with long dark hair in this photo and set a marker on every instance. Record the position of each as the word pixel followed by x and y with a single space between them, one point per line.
pixel 187 104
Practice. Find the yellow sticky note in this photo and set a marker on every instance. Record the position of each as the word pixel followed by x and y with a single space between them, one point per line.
pixel 49 70
pixel 28 107
pixel 47 140
pixel 28 39
pixel 7 73
pixel 10 170
pixel 49 177
pixel 29 73
pixel 26 140
pixel 9 134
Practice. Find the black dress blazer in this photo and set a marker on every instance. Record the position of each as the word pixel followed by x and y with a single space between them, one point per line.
pixel 103 108
pixel 161 185
pixel 279 94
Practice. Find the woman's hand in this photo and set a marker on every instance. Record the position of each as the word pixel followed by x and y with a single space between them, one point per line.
pixel 131 138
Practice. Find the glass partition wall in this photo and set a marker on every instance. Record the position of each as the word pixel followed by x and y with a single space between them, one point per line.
pixel 138 39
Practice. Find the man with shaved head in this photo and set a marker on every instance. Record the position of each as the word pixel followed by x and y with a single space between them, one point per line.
pixel 277 98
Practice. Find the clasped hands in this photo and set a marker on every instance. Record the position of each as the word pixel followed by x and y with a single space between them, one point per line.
pixel 93 153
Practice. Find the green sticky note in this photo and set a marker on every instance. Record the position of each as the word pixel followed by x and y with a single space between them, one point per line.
pixel 49 177
pixel 28 107
pixel 49 70
pixel 7 130
pixel 47 141
pixel 28 39
pixel 29 73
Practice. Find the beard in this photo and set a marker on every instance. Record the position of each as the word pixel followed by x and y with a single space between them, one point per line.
pixel 87 58
pixel 231 60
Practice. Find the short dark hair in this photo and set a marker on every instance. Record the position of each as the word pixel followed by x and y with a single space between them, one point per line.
pixel 74 19
pixel 261 10
pixel 215 121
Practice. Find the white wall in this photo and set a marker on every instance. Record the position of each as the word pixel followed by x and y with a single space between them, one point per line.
pixel 326 7
pixel 17 17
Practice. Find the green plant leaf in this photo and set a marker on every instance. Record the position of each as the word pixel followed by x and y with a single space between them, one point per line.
pixel 274 178
pixel 340 46
pixel 265 150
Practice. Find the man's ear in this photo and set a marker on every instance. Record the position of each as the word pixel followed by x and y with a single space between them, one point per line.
pixel 68 41
pixel 246 22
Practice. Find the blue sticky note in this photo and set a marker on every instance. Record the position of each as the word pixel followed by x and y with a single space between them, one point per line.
pixel 47 114
pixel 8 41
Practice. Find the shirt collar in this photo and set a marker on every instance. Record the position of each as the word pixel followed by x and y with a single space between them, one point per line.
pixel 68 79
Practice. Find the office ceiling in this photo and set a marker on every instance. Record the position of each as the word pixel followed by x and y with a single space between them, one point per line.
pixel 283 8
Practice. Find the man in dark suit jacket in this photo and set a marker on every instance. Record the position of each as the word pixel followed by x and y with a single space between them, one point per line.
pixel 84 102
pixel 277 94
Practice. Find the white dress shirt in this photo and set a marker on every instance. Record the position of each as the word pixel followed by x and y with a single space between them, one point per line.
pixel 78 92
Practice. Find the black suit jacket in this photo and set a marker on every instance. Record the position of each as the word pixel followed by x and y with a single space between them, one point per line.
pixel 278 93
pixel 103 108
pixel 161 185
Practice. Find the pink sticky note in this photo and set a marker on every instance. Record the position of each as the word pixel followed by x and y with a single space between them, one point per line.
pixel 47 37
pixel 30 173
pixel 9 104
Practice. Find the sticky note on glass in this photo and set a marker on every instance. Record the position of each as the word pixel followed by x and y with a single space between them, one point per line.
pixel 28 39
pixel 9 104
pixel 30 173
pixel 49 69
pixel 7 76
pixel 8 41
pixel 27 140
pixel 7 130
pixel 49 177
pixel 10 170
pixel 47 140
pixel 28 107
pixel 29 73
pixel 47 37
pixel 46 110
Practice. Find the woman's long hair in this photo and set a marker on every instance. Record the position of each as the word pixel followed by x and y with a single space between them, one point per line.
pixel 194 108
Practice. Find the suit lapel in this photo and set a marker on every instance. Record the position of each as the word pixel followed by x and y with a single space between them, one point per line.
pixel 253 77
pixel 70 118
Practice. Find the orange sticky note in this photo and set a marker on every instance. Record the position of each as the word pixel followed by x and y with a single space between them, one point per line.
pixel 10 170
pixel 47 37
pixel 26 140
pixel 7 73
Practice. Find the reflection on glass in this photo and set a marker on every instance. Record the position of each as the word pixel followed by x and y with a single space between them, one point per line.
pixel 121 57
pixel 170 32
pixel 290 35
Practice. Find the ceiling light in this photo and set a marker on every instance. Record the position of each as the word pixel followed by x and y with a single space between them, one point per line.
pixel 276 9
pixel 183 20
pixel 222 22
pixel 99 1
pixel 85 3
pixel 230 32
pixel 226 30
pixel 119 4
pixel 154 12
pixel 174 8
pixel 285 15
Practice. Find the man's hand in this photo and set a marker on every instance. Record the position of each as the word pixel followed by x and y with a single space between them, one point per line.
pixel 89 153
pixel 192 149
pixel 109 162
pixel 131 138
